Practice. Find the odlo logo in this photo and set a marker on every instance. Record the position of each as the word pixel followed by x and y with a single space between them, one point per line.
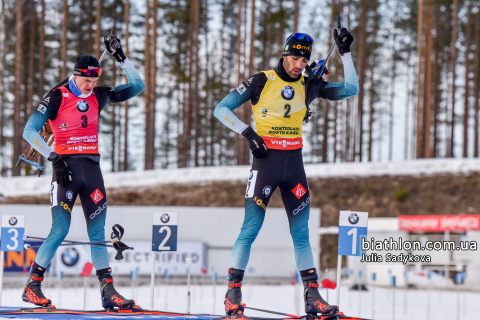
pixel 98 211
pixel 302 206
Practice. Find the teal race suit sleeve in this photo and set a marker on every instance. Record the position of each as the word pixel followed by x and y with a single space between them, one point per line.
pixel 34 124
pixel 122 92
pixel 250 89
pixel 223 111
pixel 336 90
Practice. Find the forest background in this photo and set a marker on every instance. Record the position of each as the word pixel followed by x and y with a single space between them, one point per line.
pixel 418 64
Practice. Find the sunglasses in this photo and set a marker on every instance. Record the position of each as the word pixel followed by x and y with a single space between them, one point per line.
pixel 96 72
pixel 301 36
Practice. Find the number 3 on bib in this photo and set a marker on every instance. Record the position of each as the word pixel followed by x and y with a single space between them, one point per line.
pixel 84 122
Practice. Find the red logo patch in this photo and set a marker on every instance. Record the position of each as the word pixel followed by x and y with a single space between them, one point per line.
pixel 96 196
pixel 299 191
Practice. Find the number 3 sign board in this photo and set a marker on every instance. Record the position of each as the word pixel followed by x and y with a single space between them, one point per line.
pixel 164 237
pixel 13 228
pixel 352 227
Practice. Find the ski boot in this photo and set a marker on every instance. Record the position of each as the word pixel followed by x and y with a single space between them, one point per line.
pixel 33 288
pixel 110 297
pixel 233 297
pixel 314 303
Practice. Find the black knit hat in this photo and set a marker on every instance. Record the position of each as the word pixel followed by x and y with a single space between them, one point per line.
pixel 85 62
pixel 298 44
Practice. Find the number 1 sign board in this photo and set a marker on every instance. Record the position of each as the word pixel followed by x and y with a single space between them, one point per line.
pixel 13 228
pixel 352 227
pixel 164 237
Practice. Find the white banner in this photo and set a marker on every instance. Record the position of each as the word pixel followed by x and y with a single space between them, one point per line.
pixel 71 259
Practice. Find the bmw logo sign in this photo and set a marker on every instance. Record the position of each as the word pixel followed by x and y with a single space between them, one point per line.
pixel 82 106
pixel 264 111
pixel 13 221
pixel 353 218
pixel 165 218
pixel 251 176
pixel 288 93
pixel 70 257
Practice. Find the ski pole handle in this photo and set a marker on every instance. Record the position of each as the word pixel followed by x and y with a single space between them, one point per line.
pixel 339 24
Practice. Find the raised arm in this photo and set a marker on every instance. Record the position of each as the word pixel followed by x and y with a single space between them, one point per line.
pixel 125 91
pixel 339 90
pixel 128 90
pixel 319 88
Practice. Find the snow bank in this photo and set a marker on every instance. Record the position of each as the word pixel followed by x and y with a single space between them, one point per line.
pixel 20 186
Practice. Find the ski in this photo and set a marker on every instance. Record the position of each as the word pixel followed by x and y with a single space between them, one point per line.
pixel 115 312
pixel 244 317
pixel 127 312
pixel 336 316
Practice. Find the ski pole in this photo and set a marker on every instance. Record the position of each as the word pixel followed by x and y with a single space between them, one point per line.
pixel 117 245
pixel 102 244
pixel 25 237
pixel 274 312
pixel 339 24
pixel 117 233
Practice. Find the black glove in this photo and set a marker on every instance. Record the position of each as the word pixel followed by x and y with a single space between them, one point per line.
pixel 114 47
pixel 256 143
pixel 62 173
pixel 343 41
pixel 308 115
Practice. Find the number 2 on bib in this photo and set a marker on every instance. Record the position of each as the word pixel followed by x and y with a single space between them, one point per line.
pixel 288 108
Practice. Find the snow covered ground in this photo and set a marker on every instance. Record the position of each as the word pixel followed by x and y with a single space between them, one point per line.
pixel 19 186
pixel 377 303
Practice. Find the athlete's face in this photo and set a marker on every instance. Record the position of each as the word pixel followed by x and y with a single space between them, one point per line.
pixel 294 65
pixel 86 84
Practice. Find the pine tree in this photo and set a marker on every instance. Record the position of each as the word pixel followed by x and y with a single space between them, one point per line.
pixel 467 80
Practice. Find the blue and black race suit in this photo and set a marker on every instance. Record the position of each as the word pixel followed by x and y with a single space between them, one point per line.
pixel 278 119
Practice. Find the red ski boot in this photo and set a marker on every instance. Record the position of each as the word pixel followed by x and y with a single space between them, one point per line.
pixel 314 303
pixel 110 297
pixel 233 297
pixel 33 288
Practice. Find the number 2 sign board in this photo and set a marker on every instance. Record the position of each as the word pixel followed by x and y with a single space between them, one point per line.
pixel 13 228
pixel 164 237
pixel 352 227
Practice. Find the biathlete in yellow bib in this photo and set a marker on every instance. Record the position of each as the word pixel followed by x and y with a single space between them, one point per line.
pixel 280 100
